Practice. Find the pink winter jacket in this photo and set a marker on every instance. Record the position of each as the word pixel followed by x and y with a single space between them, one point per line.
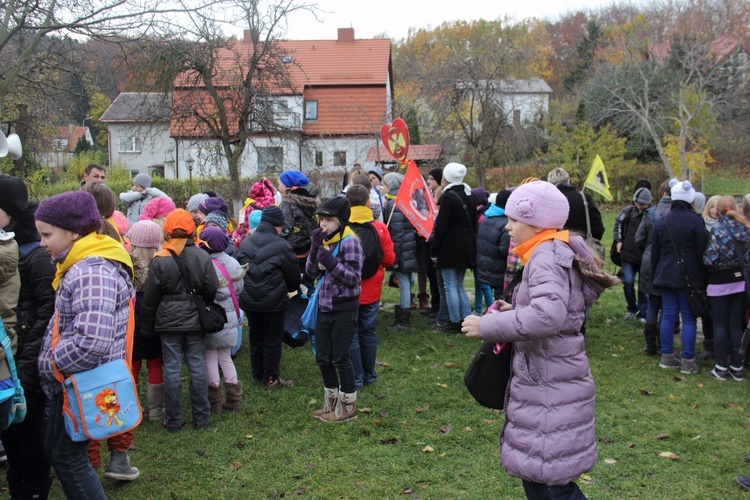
pixel 548 436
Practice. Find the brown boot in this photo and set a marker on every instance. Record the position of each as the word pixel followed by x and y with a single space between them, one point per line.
pixel 346 409
pixel 424 301
pixel 234 396
pixel 155 398
pixel 215 398
pixel 329 403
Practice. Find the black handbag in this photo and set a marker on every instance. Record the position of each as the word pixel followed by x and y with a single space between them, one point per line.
pixel 488 375
pixel 489 372
pixel 212 316
pixel 697 299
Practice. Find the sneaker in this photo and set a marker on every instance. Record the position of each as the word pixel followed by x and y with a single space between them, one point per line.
pixel 735 373
pixel 278 383
pixel 719 373
pixel 630 316
pixel 744 482
pixel 669 361
pixel 689 367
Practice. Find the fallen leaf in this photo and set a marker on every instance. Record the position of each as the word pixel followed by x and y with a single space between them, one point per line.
pixel 376 421
pixel 435 365
pixel 300 491
pixel 446 429
pixel 364 410
pixel 488 421
pixel 700 385
pixel 450 364
pixel 610 461
pixel 428 449
pixel 679 379
pixel 235 465
pixel 389 440
pixel 418 409
pixel 382 363
pixel 384 414
pixel 697 437
pixel 672 396
pixel 646 392
pixel 442 385
pixel 379 395
pixel 587 479
pixel 467 429
pixel 606 439
pixel 669 455
pixel 239 445
pixel 442 455
pixel 631 445
pixel 249 436
pixel 694 406
pixel 407 491
pixel 731 405
pixel 663 435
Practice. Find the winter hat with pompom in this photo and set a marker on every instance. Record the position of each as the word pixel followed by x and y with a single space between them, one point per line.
pixel 539 204
pixel 683 191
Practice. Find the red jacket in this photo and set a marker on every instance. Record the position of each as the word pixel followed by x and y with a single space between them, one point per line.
pixel 372 287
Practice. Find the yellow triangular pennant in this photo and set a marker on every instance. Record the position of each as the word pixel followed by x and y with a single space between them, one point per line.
pixel 597 179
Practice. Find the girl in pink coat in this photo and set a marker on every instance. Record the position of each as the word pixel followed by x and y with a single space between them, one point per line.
pixel 548 438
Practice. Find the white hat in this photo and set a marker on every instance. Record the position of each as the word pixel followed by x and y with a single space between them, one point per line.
pixel 683 191
pixel 454 172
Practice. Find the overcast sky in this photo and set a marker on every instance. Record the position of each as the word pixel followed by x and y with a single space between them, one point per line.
pixel 395 17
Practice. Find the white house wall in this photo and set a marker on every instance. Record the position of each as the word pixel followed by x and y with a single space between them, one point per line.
pixel 531 106
pixel 155 142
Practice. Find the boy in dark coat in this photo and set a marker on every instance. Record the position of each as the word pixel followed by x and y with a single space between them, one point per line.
pixel 273 272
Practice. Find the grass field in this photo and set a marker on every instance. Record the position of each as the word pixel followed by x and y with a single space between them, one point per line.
pixel 420 434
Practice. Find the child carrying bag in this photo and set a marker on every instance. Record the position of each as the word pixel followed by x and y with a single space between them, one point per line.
pixel 101 402
pixel 212 316
pixel 12 398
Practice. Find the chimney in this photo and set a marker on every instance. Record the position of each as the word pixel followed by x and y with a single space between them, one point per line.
pixel 346 35
pixel 250 36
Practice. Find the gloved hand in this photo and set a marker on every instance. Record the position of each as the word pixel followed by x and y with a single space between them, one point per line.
pixel 325 257
pixel 316 238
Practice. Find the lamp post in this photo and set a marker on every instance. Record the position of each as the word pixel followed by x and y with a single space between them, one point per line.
pixel 190 162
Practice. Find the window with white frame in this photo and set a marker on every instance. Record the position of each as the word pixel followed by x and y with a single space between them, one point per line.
pixel 339 158
pixel 131 144
pixel 270 159
pixel 318 158
pixel 311 110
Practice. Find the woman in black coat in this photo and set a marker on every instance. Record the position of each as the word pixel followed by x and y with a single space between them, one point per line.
pixel 688 231
pixel 454 240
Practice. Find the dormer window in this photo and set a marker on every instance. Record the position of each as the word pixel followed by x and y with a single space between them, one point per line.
pixel 311 110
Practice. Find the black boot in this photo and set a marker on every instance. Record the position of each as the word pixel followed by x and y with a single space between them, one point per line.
pixel 401 320
pixel 651 333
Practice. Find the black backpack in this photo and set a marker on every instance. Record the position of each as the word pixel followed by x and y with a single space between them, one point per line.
pixel 370 241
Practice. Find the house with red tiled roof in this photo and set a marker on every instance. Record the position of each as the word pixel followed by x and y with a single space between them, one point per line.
pixel 337 97
pixel 725 52
pixel 54 150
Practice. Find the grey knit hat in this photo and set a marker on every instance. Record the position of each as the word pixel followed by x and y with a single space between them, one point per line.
pixel 195 201
pixel 142 180
pixel 642 195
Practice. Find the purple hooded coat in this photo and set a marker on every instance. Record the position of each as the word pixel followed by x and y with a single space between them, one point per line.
pixel 548 436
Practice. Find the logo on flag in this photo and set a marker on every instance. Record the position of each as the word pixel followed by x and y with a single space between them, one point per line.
pixel 415 201
pixel 597 179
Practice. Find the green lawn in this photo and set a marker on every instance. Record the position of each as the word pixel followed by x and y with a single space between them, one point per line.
pixel 420 433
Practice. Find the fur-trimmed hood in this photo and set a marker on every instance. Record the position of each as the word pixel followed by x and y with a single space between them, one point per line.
pixel 302 199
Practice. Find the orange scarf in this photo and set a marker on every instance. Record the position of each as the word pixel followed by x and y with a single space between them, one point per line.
pixel 177 245
pixel 525 249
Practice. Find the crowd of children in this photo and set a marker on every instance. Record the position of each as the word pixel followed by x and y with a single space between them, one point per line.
pixel 75 263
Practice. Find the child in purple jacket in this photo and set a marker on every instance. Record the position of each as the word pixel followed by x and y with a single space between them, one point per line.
pixel 548 439
pixel 336 251
pixel 93 292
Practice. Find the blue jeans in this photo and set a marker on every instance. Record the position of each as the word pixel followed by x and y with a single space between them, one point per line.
pixel 175 346
pixel 442 316
pixel 482 294
pixel 364 347
pixel 70 459
pixel 629 270
pixel 404 289
pixel 674 302
pixel 455 295
pixel 333 338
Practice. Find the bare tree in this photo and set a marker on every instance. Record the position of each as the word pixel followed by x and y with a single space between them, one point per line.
pixel 224 90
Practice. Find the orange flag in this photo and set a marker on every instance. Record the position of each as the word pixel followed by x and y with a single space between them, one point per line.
pixel 415 201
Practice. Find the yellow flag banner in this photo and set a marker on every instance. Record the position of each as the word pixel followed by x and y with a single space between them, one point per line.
pixel 597 179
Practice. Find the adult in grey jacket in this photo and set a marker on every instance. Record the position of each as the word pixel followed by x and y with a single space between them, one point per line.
pixel 139 195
